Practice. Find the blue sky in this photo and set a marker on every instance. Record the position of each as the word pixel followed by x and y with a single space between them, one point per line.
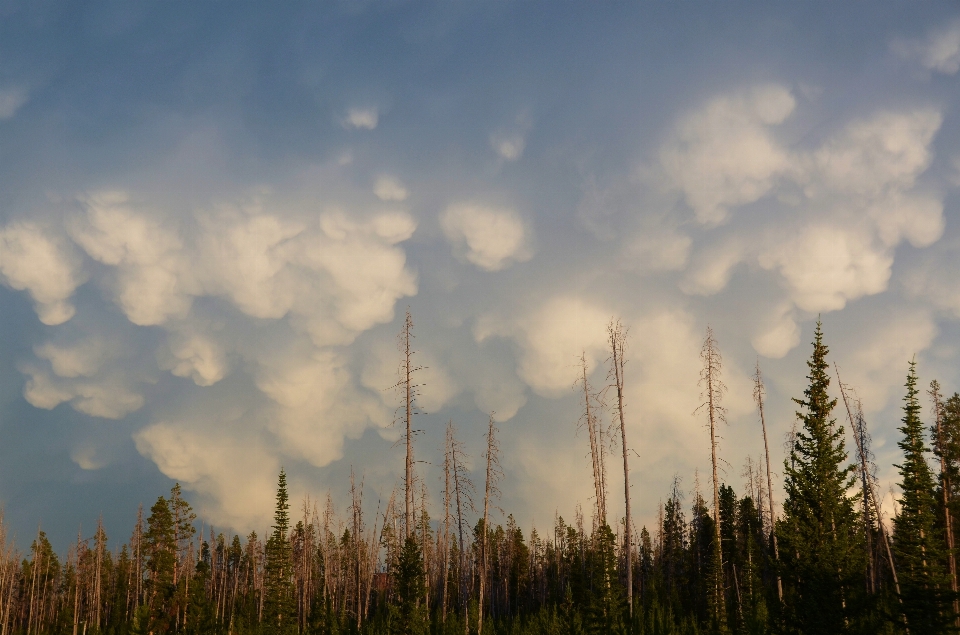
pixel 214 215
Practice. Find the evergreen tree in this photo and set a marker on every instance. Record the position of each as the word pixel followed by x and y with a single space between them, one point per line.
pixel 279 608
pixel 161 557
pixel 918 545
pixel 410 613
pixel 607 603
pixel 822 557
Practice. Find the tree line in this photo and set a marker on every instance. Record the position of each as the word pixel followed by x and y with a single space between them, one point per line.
pixel 716 561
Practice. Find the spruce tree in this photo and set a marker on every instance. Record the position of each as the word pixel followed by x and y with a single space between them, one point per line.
pixel 161 559
pixel 918 544
pixel 279 610
pixel 410 616
pixel 823 563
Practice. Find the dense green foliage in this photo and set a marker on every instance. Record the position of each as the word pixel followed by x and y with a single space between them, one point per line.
pixel 323 574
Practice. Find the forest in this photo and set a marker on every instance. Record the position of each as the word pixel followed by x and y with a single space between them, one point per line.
pixel 823 560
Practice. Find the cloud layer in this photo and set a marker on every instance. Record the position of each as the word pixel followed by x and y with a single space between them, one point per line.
pixel 205 262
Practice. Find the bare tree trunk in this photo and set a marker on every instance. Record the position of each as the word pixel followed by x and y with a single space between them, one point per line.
pixel 408 465
pixel 945 486
pixel 758 393
pixel 445 553
pixel 590 420
pixel 97 581
pixel 858 428
pixel 716 414
pixel 618 339
pixel 491 490
pixel 463 494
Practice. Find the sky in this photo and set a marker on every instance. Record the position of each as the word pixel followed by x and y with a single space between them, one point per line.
pixel 214 217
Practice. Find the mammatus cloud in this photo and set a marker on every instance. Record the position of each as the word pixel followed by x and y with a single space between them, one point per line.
pixel 361 118
pixel 388 188
pixel 835 213
pixel 725 154
pixel 41 262
pixel 89 374
pixel 491 238
pixel 939 51
pixel 257 288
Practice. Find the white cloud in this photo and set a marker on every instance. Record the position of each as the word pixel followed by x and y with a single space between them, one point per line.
pixel 712 268
pixel 825 266
pixel 194 355
pixel 109 399
pixel 361 118
pixel 508 146
pixel 841 208
pixel 938 51
pixel 93 374
pixel 552 338
pixel 381 371
pixel 878 356
pixel 11 100
pixel 39 262
pixel 230 469
pixel 389 188
pixel 724 154
pixel 148 257
pixel 491 238
pixel 780 334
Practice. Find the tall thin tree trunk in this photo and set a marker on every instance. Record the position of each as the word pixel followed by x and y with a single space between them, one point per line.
pixel 491 490
pixel 858 428
pixel 716 414
pixel 408 465
pixel 946 487
pixel 758 393
pixel 590 420
pixel 446 524
pixel 618 339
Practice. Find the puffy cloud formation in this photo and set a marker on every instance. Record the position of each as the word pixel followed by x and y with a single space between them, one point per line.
pixel 220 271
pixel 725 153
pixel 489 237
pixel 842 207
pixel 40 263
pixel 361 118
pixel 88 373
pixel 938 51
pixel 388 188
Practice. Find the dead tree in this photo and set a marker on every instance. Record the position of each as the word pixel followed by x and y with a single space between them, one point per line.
pixel 858 427
pixel 946 488
pixel 445 551
pixel 617 338
pixel 758 394
pixel 713 389
pixel 490 493
pixel 410 390
pixel 463 492
pixel 591 422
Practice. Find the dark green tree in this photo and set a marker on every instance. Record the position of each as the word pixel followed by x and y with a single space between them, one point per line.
pixel 823 562
pixel 607 605
pixel 160 545
pixel 918 544
pixel 409 616
pixel 279 608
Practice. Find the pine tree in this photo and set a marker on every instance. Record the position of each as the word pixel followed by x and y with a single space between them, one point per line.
pixel 918 546
pixel 822 558
pixel 410 614
pixel 161 555
pixel 279 615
